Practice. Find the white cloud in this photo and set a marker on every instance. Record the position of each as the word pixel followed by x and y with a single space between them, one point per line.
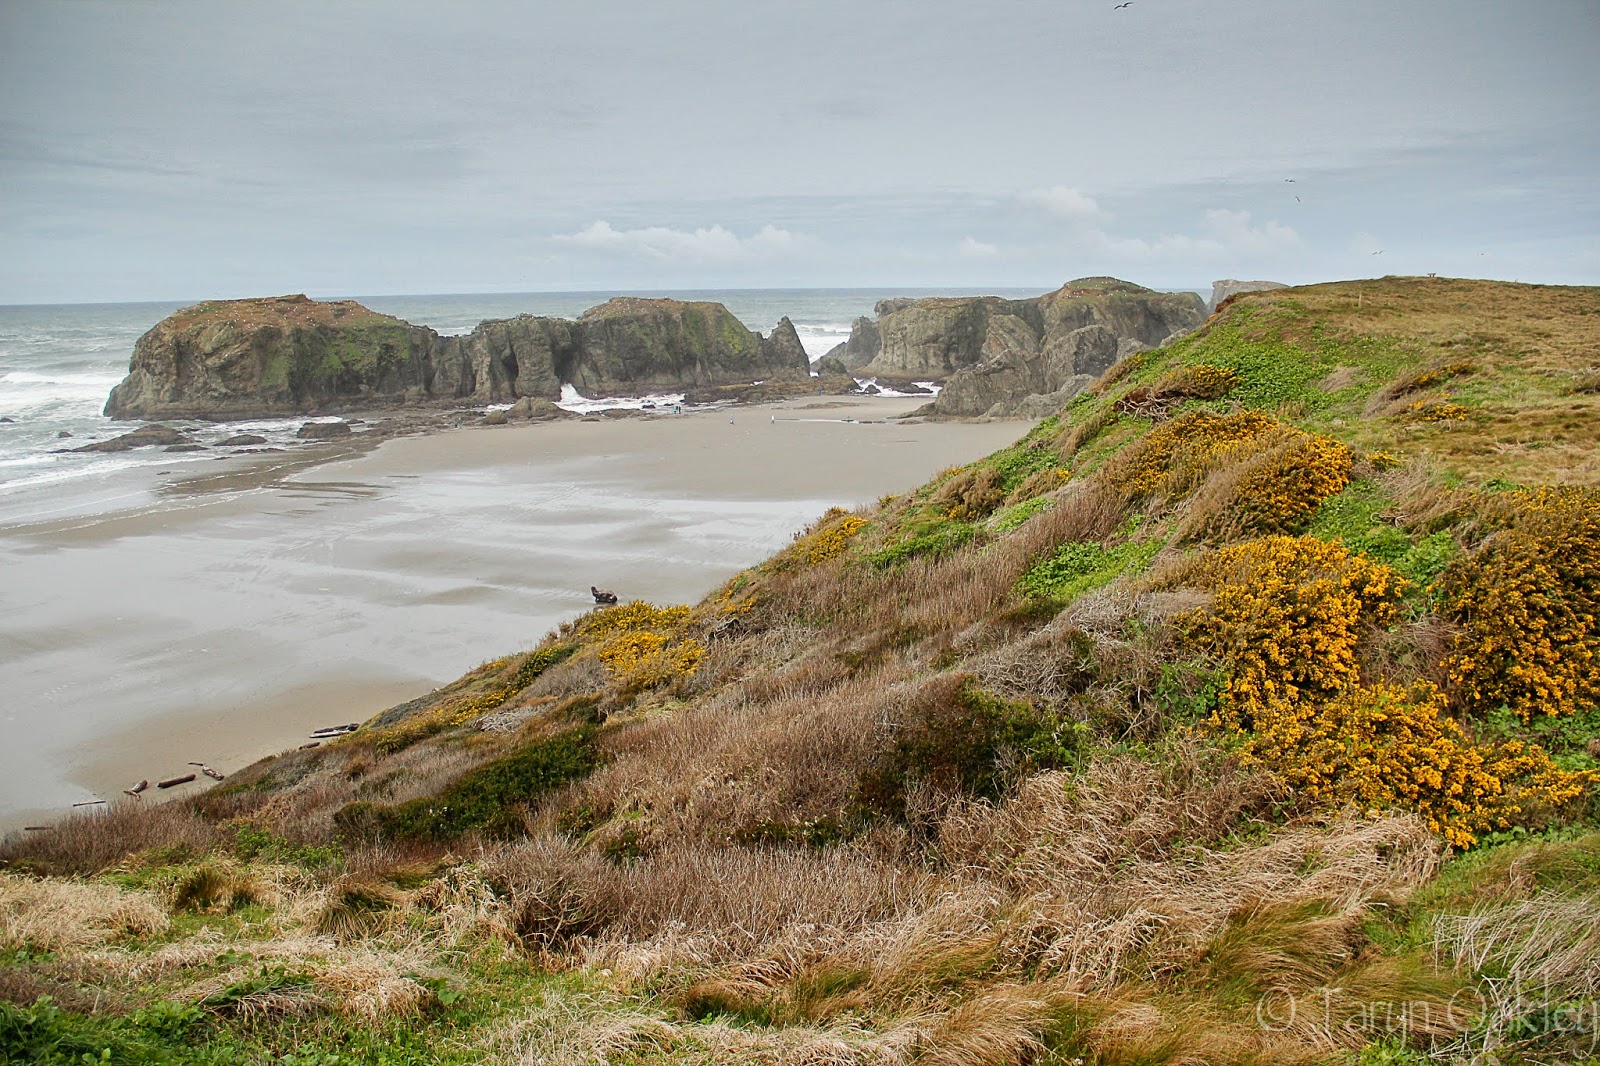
pixel 1235 232
pixel 972 248
pixel 1223 236
pixel 708 244
pixel 1064 203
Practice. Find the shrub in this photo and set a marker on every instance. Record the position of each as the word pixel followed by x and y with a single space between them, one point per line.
pixel 462 708
pixel 1201 381
pixel 1285 619
pixel 1175 455
pixel 955 736
pixel 1419 378
pixel 971 494
pixel 645 645
pixel 486 799
pixel 829 537
pixel 1382 746
pixel 1527 602
pixel 1280 493
pixel 1434 411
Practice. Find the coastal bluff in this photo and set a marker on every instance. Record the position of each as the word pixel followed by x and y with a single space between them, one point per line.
pixel 291 355
pixel 997 355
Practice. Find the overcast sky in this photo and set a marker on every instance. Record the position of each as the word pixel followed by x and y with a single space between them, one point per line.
pixel 170 150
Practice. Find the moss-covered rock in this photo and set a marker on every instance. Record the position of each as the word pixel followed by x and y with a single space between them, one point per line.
pixel 293 355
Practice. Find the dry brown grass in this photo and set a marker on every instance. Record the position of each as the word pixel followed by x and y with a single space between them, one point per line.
pixel 217 886
pixel 588 1029
pixel 71 916
pixel 1116 872
pixel 371 986
pixel 734 761
pixel 87 843
pixel 728 901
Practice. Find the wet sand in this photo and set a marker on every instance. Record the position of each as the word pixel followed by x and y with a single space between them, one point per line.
pixel 220 617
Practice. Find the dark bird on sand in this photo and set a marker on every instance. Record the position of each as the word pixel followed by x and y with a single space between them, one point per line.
pixel 602 595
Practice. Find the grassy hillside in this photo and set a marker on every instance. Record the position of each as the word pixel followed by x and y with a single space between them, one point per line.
pixel 1246 712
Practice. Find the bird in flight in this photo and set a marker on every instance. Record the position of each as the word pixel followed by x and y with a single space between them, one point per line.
pixel 1378 252
pixel 1297 199
pixel 1119 7
pixel 1290 180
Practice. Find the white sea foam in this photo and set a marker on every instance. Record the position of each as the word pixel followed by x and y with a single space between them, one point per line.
pixel 819 340
pixel 574 401
pixel 24 377
pixel 871 385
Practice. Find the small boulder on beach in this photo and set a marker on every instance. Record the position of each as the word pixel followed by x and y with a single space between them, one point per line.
pixel 323 430
pixel 238 440
pixel 145 436
pixel 536 410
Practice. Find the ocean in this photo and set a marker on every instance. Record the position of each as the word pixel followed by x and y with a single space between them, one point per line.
pixel 58 363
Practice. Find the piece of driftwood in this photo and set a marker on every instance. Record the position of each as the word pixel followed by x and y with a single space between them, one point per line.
pixel 169 782
pixel 209 772
pixel 87 803
pixel 334 731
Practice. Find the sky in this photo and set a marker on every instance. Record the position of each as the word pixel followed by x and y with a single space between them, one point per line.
pixel 174 150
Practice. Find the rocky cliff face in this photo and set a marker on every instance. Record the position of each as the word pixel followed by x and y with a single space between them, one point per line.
pixel 292 355
pixel 239 358
pixel 993 354
pixel 1221 290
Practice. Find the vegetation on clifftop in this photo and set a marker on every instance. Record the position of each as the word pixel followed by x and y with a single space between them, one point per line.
pixel 1237 714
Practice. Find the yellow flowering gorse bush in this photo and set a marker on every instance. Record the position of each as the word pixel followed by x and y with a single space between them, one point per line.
pixel 1527 604
pixel 1287 617
pixel 1174 455
pixel 826 539
pixel 1382 746
pixel 1282 489
pixel 645 645
pixel 1275 475
pixel 1201 381
pixel 1434 411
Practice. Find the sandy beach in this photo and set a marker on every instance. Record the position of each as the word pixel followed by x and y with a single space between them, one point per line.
pixel 218 617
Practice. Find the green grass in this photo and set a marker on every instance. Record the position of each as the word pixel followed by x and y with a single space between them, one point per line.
pixel 1077 567
pixel 930 537
pixel 1008 518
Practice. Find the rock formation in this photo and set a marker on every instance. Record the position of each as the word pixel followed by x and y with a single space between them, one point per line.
pixel 994 354
pixel 291 355
pixel 143 437
pixel 862 346
pixel 1221 290
pixel 939 336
